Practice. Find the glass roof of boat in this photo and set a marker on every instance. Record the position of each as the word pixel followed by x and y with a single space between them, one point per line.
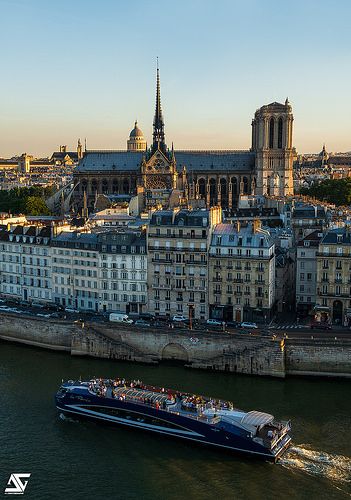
pixel 141 394
pixel 256 418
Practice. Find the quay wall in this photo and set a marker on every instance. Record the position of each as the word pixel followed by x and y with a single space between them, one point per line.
pixel 254 355
pixel 236 353
pixel 318 357
pixel 36 331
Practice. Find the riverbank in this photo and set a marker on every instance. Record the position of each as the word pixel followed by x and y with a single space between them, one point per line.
pixel 238 353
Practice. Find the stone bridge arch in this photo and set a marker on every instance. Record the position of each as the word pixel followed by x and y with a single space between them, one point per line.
pixel 175 351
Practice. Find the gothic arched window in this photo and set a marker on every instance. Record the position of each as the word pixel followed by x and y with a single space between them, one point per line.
pixel 246 185
pixel 202 187
pixel 280 133
pixel 271 133
pixel 125 186
pixel 105 186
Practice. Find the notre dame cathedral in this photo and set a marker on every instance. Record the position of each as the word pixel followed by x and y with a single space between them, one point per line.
pixel 160 174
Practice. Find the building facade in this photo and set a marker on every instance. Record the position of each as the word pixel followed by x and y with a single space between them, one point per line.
pixel 334 276
pixel 26 263
pixel 75 271
pixel 178 242
pixel 241 273
pixel 306 272
pixel 123 272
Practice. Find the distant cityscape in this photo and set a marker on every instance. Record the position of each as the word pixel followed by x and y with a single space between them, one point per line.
pixel 204 234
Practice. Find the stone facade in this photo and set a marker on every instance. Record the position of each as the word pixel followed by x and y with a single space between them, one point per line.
pixel 306 272
pixel 123 272
pixel 241 273
pixel 334 275
pixel 178 244
pixel 26 263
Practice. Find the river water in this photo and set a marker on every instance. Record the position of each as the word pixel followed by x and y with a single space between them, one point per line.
pixel 75 460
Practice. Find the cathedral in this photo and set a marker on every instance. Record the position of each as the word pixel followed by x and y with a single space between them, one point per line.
pixel 160 175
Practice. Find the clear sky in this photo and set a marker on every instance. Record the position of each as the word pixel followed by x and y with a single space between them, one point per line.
pixel 86 68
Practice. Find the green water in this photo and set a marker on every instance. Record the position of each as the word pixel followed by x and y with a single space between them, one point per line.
pixel 75 460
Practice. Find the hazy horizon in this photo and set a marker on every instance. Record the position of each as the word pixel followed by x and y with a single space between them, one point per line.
pixel 87 69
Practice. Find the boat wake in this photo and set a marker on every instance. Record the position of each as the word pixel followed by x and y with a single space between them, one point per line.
pixel 336 468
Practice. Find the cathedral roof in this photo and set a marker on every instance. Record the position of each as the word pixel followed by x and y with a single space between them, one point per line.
pixel 193 160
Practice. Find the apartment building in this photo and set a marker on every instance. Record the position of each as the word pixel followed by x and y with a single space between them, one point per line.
pixel 75 270
pixel 26 263
pixel 123 271
pixel 241 272
pixel 334 276
pixel 306 272
pixel 178 242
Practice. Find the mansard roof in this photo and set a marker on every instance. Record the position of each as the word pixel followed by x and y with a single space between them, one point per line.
pixel 119 161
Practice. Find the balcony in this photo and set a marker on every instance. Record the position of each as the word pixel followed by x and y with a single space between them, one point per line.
pixel 260 282
pixel 162 260
pixel 217 267
pixel 216 292
pixel 217 280
pixel 325 280
pixel 238 294
pixel 259 295
pixel 238 280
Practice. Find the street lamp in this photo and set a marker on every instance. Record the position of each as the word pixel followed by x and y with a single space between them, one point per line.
pixel 191 310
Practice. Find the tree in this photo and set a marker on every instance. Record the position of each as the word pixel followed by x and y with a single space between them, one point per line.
pixel 34 205
pixel 336 191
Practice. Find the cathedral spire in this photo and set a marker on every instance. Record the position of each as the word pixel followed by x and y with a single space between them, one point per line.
pixel 158 134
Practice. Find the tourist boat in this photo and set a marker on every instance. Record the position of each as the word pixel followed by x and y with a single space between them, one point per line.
pixel 194 418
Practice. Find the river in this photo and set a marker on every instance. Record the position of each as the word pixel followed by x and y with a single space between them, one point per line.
pixel 81 460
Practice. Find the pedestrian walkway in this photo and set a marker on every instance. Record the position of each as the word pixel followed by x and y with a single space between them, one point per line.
pixel 290 326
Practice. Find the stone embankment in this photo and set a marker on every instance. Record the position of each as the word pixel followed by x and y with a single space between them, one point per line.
pixel 237 353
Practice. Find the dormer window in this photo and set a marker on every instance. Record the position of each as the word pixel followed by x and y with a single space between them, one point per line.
pixel 306 243
pixel 339 238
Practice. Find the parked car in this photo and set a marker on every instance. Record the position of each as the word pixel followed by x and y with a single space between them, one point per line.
pixel 248 324
pixel 146 316
pixel 179 317
pixel 142 323
pixel 71 310
pixel 233 324
pixel 120 318
pixel 214 322
pixel 321 325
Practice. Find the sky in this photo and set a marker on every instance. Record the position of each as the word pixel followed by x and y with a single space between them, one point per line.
pixel 86 69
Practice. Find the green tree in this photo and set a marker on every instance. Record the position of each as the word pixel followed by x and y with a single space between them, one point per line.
pixel 34 205
pixel 336 191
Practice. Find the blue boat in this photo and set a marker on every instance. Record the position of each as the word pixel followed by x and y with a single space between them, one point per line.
pixel 191 417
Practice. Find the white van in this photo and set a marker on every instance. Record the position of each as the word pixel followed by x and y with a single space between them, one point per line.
pixel 120 318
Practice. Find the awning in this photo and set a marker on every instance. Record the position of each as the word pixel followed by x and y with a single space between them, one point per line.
pixel 256 418
pixel 322 308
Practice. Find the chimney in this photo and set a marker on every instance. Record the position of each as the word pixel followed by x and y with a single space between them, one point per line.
pixel 256 225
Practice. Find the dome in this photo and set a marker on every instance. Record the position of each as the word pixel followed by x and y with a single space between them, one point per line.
pixel 136 132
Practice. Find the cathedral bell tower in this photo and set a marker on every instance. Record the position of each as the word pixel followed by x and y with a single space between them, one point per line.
pixel 272 129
